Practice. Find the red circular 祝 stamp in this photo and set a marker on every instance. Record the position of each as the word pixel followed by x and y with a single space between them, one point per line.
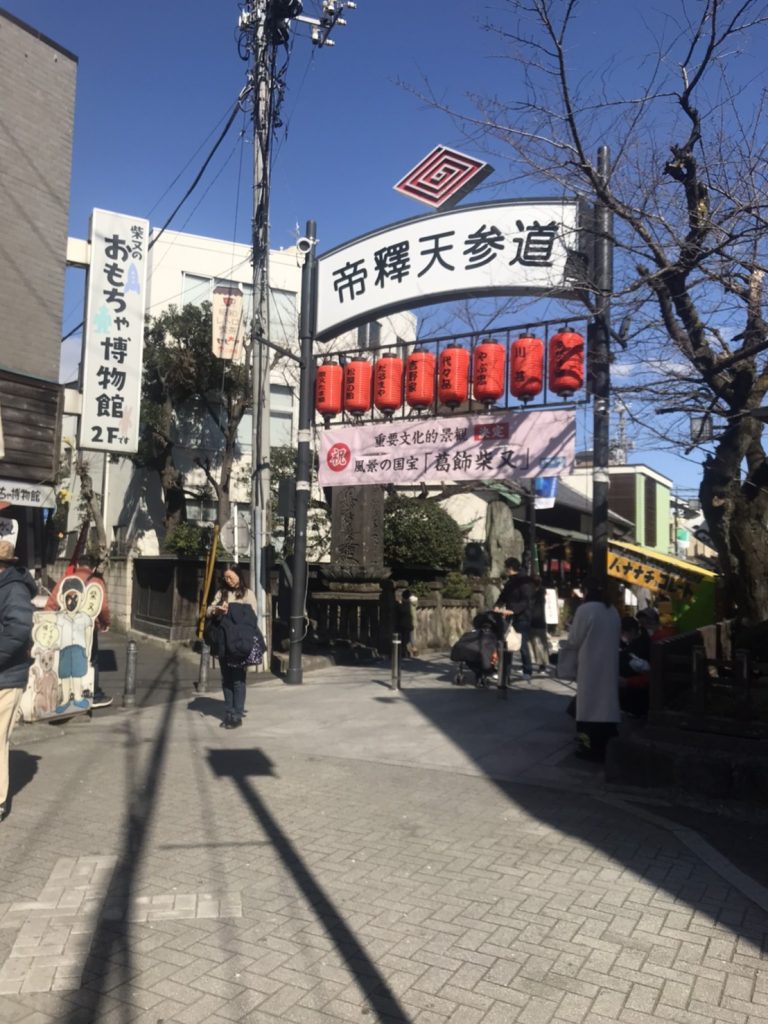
pixel 339 457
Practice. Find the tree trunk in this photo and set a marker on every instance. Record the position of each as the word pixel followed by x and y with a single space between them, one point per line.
pixel 173 491
pixel 94 508
pixel 736 515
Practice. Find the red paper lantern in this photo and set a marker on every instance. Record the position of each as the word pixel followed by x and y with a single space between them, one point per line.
pixel 357 386
pixel 329 382
pixel 388 384
pixel 526 367
pixel 420 379
pixel 488 371
pixel 566 362
pixel 453 376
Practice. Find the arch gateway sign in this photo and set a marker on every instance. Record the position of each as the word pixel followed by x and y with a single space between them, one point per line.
pixel 519 247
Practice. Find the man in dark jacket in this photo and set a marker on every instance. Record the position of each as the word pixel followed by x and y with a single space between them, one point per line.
pixel 17 588
pixel 515 602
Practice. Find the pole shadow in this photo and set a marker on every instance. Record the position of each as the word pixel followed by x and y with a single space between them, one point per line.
pixel 244 765
pixel 110 961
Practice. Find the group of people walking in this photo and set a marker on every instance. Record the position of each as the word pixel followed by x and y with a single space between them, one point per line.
pixel 607 650
pixel 611 655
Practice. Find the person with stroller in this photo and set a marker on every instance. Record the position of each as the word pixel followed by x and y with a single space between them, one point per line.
pixel 515 603
pixel 479 650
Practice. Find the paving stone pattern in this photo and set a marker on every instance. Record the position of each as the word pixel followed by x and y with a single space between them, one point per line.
pixel 156 868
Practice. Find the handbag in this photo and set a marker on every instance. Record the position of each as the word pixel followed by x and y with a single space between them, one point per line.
pixel 513 640
pixel 257 650
pixel 212 636
pixel 567 660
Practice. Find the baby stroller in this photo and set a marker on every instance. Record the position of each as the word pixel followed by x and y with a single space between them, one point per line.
pixel 479 650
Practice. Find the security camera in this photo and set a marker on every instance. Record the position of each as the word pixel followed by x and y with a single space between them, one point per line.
pixel 304 245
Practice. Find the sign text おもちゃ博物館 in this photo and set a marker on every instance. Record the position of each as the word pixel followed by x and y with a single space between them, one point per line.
pixel 114 332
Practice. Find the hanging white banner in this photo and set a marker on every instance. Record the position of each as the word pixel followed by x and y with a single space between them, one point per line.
pixel 517 247
pixel 227 321
pixel 114 333
pixel 500 446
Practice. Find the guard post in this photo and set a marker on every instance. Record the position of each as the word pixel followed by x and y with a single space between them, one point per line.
pixel 129 689
pixel 396 671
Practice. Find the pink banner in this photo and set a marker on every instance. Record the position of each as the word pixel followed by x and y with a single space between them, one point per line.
pixel 497 446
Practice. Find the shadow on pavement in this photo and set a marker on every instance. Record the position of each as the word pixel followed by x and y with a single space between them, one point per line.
pixel 207 706
pixel 470 719
pixel 22 768
pixel 244 765
pixel 110 960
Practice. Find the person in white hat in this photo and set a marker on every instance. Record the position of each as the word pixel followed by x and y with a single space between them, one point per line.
pixel 17 588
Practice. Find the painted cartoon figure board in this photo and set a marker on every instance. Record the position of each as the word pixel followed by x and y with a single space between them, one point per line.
pixel 61 676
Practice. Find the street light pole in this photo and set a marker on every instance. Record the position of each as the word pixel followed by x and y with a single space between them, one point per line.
pixel 303 457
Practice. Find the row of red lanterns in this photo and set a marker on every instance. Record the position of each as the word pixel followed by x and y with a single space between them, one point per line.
pixel 358 385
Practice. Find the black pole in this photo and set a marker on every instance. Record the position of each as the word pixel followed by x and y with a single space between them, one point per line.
pixel 601 375
pixel 306 246
pixel 534 569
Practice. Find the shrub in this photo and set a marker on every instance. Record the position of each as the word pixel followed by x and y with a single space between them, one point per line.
pixel 457 586
pixel 188 540
pixel 419 534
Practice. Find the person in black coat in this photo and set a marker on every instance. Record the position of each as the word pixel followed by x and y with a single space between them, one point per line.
pixel 17 588
pixel 515 602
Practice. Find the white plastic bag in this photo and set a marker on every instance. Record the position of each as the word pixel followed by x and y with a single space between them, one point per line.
pixel 513 640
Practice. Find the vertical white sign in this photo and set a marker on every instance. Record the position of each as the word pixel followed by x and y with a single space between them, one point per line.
pixel 114 332
pixel 227 320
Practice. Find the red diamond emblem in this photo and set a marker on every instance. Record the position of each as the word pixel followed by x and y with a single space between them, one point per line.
pixel 443 177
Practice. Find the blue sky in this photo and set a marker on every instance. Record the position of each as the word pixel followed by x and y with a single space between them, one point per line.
pixel 156 82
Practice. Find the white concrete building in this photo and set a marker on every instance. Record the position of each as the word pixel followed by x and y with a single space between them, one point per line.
pixel 184 269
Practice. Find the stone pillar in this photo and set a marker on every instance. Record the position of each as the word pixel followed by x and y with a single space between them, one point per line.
pixel 357 533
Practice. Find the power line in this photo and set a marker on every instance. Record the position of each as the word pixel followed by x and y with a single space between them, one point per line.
pixel 212 152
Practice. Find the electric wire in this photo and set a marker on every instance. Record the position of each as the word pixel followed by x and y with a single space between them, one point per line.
pixel 190 190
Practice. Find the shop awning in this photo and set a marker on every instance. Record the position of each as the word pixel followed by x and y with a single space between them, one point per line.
pixel 558 531
pixel 658 572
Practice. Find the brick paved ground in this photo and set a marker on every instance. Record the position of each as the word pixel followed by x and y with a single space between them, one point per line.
pixel 352 854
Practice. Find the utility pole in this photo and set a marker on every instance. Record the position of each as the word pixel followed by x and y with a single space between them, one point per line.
pixel 265 26
pixel 601 377
pixel 253 25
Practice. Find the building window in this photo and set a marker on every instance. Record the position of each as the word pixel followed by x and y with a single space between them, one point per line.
pixel 283 316
pixel 650 512
pixel 280 415
pixel 201 511
pixel 195 290
pixel 369 335
pixel 283 321
pixel 280 419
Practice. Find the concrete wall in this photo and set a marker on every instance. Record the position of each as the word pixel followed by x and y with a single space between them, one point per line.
pixel 37 97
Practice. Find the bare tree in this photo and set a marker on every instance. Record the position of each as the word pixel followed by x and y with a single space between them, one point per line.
pixel 186 386
pixel 686 126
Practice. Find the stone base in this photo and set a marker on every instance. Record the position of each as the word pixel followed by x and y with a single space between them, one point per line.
pixel 718 767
